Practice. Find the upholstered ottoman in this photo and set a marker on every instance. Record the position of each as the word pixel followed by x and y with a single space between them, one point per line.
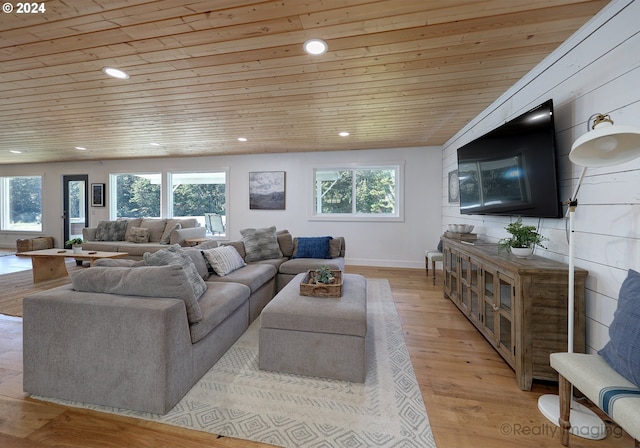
pixel 315 336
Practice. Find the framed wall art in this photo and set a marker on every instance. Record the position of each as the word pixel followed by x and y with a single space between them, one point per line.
pixel 97 195
pixel 267 190
pixel 454 187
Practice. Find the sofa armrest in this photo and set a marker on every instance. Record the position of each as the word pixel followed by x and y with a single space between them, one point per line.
pixel 114 350
pixel 89 233
pixel 178 236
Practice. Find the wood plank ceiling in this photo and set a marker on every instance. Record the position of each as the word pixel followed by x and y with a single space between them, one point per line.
pixel 398 73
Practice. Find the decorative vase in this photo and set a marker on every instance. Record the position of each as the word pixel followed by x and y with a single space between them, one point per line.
pixel 522 252
pixel 77 249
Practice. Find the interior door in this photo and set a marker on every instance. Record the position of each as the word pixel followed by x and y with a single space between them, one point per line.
pixel 75 213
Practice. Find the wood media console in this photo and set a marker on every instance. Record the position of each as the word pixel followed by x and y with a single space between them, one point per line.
pixel 518 304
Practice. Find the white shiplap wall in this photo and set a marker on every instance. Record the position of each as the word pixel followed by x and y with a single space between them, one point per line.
pixel 596 70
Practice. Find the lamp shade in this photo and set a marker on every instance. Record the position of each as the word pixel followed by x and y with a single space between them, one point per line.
pixel 607 144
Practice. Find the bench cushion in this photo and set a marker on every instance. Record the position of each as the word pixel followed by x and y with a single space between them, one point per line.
pixel 591 374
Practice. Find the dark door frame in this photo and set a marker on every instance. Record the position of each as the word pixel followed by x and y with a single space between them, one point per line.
pixel 66 178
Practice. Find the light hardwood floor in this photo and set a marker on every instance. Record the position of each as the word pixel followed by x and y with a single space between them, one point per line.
pixel 470 394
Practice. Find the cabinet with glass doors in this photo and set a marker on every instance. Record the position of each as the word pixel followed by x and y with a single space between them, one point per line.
pixel 519 305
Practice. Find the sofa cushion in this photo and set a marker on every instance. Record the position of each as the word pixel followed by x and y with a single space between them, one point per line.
pixel 298 265
pixel 156 228
pixel 111 230
pixel 217 303
pixel 224 260
pixel 170 281
pixel 131 223
pixel 166 236
pixel 260 244
pixel 285 241
pixel 239 245
pixel 176 255
pixel 117 263
pixel 252 275
pixel 312 247
pixel 138 235
pixel 336 247
pixel 622 352
pixel 198 261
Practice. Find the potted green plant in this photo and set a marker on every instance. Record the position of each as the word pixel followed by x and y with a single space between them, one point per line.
pixel 75 243
pixel 323 275
pixel 523 239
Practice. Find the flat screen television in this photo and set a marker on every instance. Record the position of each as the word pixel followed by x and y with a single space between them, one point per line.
pixel 512 169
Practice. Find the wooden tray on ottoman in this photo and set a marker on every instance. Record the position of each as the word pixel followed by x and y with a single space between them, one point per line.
pixel 332 290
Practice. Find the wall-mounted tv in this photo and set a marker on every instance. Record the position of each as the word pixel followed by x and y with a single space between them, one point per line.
pixel 512 169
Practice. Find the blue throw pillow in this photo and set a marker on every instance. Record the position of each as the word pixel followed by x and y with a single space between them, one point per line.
pixel 313 247
pixel 622 352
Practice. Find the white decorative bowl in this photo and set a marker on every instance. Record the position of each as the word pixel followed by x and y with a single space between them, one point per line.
pixel 460 228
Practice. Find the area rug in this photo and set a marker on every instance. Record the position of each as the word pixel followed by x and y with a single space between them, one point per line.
pixel 236 399
pixel 18 285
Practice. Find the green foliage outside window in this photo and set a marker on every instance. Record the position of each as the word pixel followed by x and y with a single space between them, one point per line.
pixel 374 190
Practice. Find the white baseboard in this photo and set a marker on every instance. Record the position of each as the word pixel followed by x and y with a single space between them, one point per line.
pixel 385 263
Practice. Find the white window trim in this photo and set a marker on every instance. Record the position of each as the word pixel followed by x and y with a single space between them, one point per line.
pixel 345 217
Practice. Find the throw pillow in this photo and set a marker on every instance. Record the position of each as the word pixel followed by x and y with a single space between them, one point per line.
pixel 224 260
pixel 145 281
pixel 176 255
pixel 622 352
pixel 261 244
pixel 313 247
pixel 166 236
pixel 138 235
pixel 111 230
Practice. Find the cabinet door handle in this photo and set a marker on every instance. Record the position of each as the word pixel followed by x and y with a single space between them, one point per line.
pixel 495 307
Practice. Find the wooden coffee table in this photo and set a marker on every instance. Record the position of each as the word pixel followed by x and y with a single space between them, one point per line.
pixel 49 263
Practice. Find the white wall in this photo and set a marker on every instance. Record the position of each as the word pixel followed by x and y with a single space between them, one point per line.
pixel 393 244
pixel 597 70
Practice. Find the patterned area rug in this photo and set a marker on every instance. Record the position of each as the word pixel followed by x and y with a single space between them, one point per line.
pixel 236 399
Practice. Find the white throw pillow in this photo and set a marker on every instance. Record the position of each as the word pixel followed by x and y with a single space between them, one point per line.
pixel 224 259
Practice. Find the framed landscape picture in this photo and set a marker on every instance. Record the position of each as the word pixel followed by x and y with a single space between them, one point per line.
pixel 267 190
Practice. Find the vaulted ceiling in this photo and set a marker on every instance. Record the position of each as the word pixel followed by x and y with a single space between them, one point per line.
pixel 203 73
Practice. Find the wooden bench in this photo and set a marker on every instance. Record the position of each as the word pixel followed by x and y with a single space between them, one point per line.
pixel 610 391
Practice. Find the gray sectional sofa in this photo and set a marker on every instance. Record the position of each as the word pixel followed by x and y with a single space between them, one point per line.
pixel 139 334
pixel 136 236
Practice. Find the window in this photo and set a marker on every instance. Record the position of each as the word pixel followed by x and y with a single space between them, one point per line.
pixel 196 195
pixel 361 193
pixel 22 203
pixel 136 195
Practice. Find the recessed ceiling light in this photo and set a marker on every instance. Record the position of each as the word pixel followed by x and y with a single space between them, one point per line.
pixel 81 148
pixel 154 144
pixel 15 151
pixel 115 73
pixel 344 134
pixel 315 46
pixel 242 139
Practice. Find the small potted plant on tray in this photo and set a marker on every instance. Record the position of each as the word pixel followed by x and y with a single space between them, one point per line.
pixel 523 239
pixel 322 282
pixel 75 243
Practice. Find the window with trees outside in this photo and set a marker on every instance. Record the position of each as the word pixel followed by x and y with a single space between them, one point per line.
pixel 22 203
pixel 196 195
pixel 136 195
pixel 362 193
pixel 189 195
